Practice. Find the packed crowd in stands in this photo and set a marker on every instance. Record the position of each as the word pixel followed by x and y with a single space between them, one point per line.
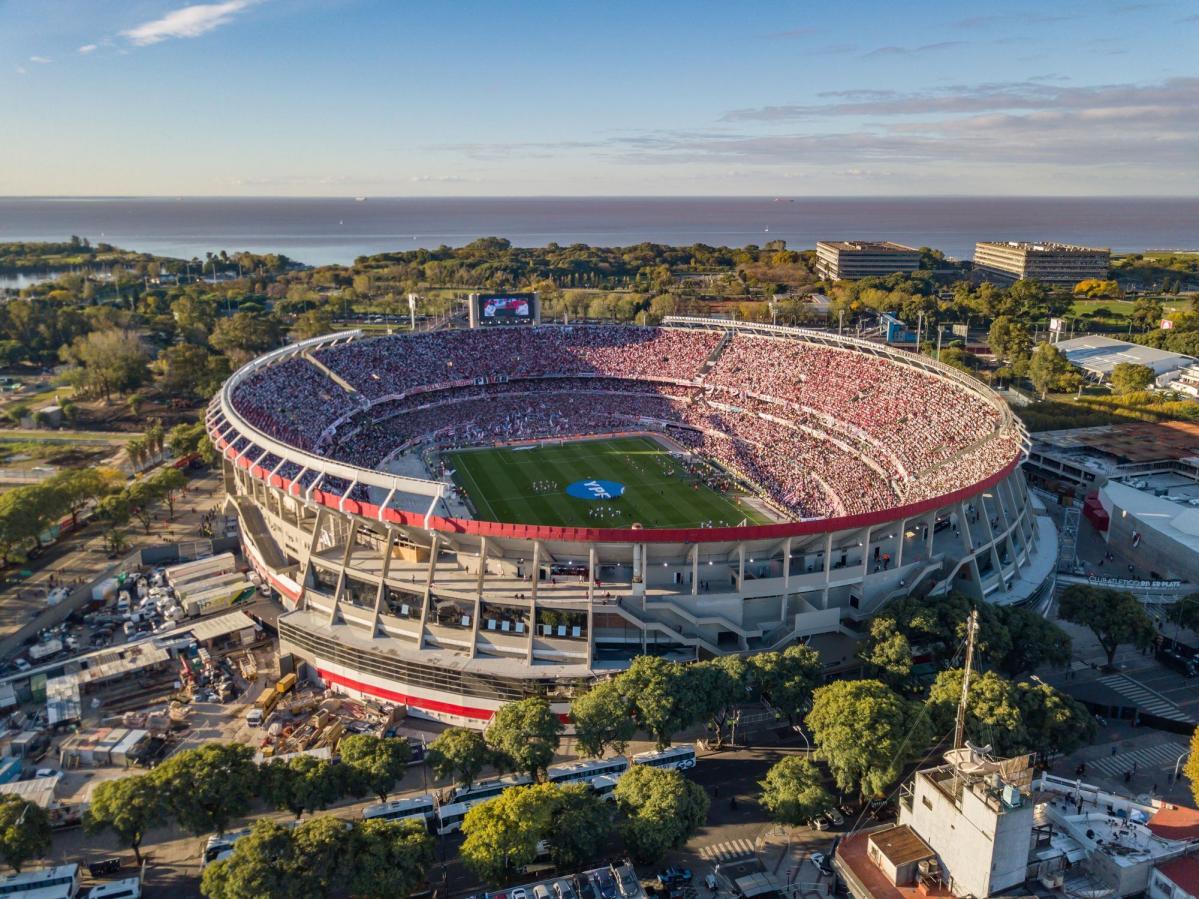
pixel 293 401
pixel 822 431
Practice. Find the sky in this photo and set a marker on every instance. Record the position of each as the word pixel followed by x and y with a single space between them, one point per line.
pixel 583 97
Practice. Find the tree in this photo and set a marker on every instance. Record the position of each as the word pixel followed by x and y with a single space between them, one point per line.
pixel 602 719
pixel 459 752
pixel 244 335
pixel 1050 370
pixel 1113 616
pixel 580 825
pixel 374 764
pixel 109 361
pixel 657 690
pixel 24 831
pixel 128 806
pixel 168 483
pixel 300 784
pixel 1033 641
pixel 187 370
pixel 312 323
pixel 1146 313
pixel 80 486
pixel 865 732
pixel 324 846
pixel 786 679
pixel 208 787
pixel 1009 339
pixel 1055 723
pixel 1187 614
pixel 661 809
pixel 526 733
pixel 793 792
pixel 993 715
pixel 390 859
pixel 719 685
pixel 1127 377
pixel 1191 770
pixel 263 863
pixel 503 833
pixel 887 653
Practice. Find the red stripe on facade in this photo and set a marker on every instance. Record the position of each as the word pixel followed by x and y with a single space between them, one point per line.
pixel 419 702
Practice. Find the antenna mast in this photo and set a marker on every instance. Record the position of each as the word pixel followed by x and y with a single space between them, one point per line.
pixel 959 727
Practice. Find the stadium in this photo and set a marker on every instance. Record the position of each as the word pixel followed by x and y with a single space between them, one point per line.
pixel 454 519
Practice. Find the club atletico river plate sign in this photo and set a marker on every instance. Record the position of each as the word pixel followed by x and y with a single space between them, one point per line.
pixel 595 490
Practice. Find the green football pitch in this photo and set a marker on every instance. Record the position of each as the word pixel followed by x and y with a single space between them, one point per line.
pixel 527 485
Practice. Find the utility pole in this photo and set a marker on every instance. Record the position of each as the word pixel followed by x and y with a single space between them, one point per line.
pixel 940 331
pixel 959 727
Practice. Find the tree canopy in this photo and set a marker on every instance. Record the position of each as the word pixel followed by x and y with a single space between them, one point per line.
pixel 661 808
pixel 374 764
pixel 1115 617
pixel 793 791
pixel 459 752
pixel 526 733
pixel 24 831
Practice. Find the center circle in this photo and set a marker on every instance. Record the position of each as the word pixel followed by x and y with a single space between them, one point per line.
pixel 595 490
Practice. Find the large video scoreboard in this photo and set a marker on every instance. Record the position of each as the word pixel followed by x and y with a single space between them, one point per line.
pixel 502 309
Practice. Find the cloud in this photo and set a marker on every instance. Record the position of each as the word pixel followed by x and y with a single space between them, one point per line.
pixel 913 51
pixel 972 99
pixel 21 70
pixel 41 60
pixel 88 48
pixel 190 21
pixel 442 179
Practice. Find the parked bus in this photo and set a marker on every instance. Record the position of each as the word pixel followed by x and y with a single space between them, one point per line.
pixel 605 787
pixel 588 770
pixel 61 882
pixel 486 789
pixel 450 817
pixel 219 846
pixel 421 808
pixel 680 757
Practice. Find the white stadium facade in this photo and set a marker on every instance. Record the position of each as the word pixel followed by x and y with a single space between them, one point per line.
pixel 887 474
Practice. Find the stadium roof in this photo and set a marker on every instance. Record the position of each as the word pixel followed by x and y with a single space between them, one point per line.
pixel 1099 355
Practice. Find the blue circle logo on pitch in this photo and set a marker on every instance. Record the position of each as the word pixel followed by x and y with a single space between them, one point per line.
pixel 595 490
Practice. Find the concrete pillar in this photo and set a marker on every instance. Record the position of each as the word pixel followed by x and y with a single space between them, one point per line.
pixel 695 570
pixel 590 604
pixel 787 565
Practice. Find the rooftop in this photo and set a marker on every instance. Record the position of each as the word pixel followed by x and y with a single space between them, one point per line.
pixel 1044 246
pixel 1184 872
pixel 1138 442
pixel 1099 355
pixel 867 246
pixel 863 875
pixel 901 845
pixel 1175 822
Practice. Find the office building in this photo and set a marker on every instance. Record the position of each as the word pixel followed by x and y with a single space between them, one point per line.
pixel 848 260
pixel 1049 263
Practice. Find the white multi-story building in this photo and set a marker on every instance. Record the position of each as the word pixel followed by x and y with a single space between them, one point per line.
pixel 848 260
pixel 1049 263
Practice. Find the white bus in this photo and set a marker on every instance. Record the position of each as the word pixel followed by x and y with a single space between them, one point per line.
pixel 421 808
pixel 588 770
pixel 61 882
pixel 487 789
pixel 129 888
pixel 449 817
pixel 605 787
pixel 680 757
pixel 219 847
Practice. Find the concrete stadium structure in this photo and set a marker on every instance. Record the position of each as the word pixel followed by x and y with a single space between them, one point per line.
pixel 388 593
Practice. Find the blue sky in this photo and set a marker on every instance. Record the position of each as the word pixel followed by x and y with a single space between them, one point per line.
pixel 387 97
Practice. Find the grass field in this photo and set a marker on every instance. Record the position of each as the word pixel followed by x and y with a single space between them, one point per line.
pixel 528 486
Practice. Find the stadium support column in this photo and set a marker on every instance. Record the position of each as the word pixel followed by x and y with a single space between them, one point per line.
pixel 474 629
pixel 306 566
pixel 384 571
pixel 590 604
pixel 434 549
pixel 341 575
pixel 866 560
pixel 828 567
pixel 533 599
pixel 787 565
pixel 695 570
pixel 902 533
pixel 638 584
pixel 741 568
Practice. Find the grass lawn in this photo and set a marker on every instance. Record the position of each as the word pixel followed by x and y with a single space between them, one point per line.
pixel 528 486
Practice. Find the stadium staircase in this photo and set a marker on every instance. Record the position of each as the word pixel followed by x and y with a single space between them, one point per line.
pixel 714 356
pixel 330 374
pixel 254 525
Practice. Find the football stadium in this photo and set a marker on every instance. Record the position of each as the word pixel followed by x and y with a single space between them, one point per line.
pixel 454 519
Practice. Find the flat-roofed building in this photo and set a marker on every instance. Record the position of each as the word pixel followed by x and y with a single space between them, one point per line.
pixel 848 260
pixel 1049 263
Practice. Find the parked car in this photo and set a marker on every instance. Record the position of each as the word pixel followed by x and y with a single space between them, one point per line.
pixel 674 875
pixel 520 893
pixel 821 862
pixel 606 884
pixel 835 816
pixel 819 823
